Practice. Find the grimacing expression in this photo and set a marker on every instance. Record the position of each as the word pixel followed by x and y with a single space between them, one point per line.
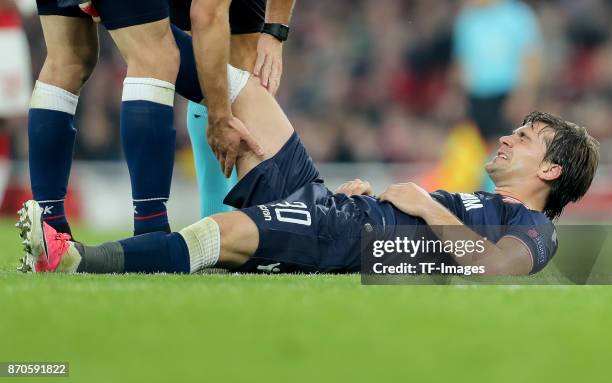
pixel 520 154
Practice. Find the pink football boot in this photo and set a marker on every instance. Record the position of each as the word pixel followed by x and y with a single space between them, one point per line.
pixel 46 249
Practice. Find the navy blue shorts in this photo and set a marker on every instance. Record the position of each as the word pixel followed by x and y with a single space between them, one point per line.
pixel 303 226
pixel 51 8
pixel 127 13
pixel 114 14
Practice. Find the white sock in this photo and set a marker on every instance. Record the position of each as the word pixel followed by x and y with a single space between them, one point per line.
pixel 148 89
pixel 51 97
pixel 236 80
pixel 203 240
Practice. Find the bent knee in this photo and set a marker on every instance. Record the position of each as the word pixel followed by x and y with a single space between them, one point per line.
pixel 162 64
pixel 239 238
pixel 154 55
pixel 70 68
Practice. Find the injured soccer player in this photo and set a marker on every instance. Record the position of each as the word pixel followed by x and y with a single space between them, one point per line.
pixel 289 221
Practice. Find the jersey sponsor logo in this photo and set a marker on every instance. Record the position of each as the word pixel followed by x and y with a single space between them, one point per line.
pixel 47 210
pixel 470 201
pixel 270 269
pixel 266 212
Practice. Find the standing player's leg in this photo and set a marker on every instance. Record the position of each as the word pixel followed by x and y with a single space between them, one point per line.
pixel 72 52
pixel 141 31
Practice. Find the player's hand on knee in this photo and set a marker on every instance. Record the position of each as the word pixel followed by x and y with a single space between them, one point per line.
pixel 225 137
pixel 408 197
pixel 269 62
pixel 355 187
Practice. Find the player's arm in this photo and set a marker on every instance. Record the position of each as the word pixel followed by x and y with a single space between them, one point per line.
pixel 509 256
pixel 269 63
pixel 211 36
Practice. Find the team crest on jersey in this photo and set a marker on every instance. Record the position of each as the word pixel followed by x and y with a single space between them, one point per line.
pixel 470 201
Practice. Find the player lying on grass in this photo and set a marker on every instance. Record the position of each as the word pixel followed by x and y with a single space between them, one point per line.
pixel 288 221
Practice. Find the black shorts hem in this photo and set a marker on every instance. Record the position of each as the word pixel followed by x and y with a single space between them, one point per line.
pixel 50 8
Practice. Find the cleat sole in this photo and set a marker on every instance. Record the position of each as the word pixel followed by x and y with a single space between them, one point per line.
pixel 31 234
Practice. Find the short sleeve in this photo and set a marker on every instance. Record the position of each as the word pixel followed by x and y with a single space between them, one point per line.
pixel 541 240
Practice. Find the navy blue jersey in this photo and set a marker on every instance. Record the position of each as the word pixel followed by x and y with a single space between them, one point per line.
pixel 495 216
pixel 491 215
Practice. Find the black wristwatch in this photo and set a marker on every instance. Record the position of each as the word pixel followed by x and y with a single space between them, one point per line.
pixel 280 31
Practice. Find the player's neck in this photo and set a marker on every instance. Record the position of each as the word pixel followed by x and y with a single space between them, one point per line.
pixel 531 200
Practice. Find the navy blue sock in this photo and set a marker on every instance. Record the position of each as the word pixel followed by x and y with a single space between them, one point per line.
pixel 187 83
pixel 51 136
pixel 148 139
pixel 155 253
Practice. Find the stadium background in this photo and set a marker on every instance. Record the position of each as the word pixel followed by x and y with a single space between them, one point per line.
pixel 364 82
pixel 372 88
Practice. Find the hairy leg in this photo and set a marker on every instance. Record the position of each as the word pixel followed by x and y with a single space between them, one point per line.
pixel 72 51
pixel 149 50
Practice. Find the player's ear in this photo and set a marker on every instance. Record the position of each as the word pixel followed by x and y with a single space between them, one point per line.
pixel 549 171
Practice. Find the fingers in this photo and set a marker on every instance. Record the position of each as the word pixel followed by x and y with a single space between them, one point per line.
pixel 266 71
pixel 355 187
pixel 214 147
pixel 275 75
pixel 221 159
pixel 230 160
pixel 346 189
pixel 261 57
pixel 246 136
pixel 252 143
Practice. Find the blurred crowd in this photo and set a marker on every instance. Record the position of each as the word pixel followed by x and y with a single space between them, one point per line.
pixel 388 80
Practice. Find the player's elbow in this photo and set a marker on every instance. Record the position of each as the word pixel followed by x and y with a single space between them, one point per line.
pixel 206 13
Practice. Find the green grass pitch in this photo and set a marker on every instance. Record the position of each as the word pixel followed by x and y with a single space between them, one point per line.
pixel 230 328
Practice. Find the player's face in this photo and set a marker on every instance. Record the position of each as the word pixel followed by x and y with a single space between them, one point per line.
pixel 520 154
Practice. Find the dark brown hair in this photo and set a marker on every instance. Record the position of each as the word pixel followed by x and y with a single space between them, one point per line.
pixel 576 152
